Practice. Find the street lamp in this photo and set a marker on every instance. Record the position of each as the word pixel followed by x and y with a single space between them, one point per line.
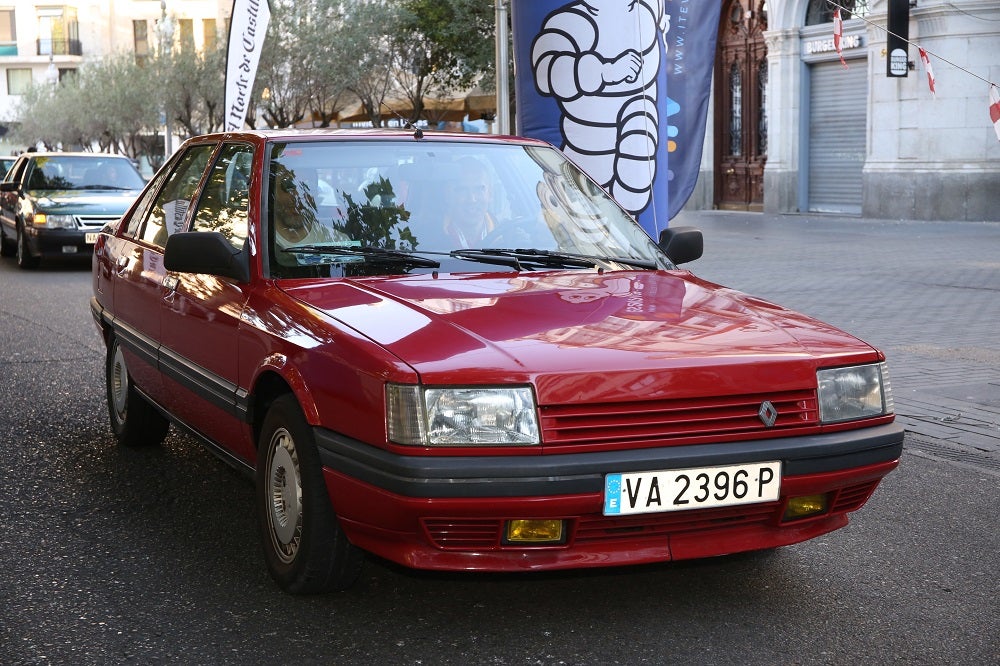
pixel 165 29
pixel 51 73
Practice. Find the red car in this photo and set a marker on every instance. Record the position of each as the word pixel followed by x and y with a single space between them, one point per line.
pixel 456 352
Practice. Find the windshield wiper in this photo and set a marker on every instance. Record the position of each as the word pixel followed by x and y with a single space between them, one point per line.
pixel 521 258
pixel 368 252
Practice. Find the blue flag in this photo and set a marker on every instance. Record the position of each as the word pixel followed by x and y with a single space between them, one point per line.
pixel 593 78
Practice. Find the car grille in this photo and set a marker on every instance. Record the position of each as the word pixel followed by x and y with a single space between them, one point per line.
pixel 486 534
pixel 681 421
pixel 94 222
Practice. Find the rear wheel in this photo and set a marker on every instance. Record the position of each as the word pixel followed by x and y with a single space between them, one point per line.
pixel 24 257
pixel 133 420
pixel 305 549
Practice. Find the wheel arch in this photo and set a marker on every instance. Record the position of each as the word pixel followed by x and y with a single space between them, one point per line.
pixel 271 385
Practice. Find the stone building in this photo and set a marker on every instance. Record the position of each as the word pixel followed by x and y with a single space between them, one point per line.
pixel 792 129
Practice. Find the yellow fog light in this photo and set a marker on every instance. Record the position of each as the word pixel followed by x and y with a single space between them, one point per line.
pixel 534 531
pixel 807 505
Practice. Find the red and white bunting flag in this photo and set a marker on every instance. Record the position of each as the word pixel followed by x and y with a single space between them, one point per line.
pixel 924 58
pixel 838 33
pixel 995 108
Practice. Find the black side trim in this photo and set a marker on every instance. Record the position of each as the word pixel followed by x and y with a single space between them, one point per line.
pixel 206 385
pixel 223 454
pixel 561 474
pixel 141 345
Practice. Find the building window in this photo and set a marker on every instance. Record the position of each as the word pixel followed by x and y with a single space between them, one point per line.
pixel 209 34
pixel 19 81
pixel 735 110
pixel 58 31
pixel 140 37
pixel 762 111
pixel 187 34
pixel 821 11
pixel 8 33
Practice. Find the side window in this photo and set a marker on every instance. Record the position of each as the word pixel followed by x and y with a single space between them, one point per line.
pixel 142 209
pixel 170 209
pixel 14 175
pixel 225 200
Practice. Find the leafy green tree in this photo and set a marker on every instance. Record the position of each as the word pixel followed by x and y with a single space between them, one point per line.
pixel 91 108
pixel 319 57
pixel 193 88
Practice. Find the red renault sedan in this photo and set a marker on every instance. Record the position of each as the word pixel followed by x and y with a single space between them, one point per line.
pixel 458 353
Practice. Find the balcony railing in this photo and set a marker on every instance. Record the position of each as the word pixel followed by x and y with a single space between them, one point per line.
pixel 59 47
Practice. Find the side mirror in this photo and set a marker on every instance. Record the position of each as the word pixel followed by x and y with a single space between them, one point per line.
pixel 682 244
pixel 205 252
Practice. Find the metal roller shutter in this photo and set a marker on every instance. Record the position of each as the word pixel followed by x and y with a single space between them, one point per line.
pixel 838 98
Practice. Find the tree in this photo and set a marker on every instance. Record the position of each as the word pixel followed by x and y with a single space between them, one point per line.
pixel 318 57
pixel 92 109
pixel 193 88
pixel 366 35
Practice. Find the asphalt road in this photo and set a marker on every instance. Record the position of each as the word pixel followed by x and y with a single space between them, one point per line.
pixel 112 556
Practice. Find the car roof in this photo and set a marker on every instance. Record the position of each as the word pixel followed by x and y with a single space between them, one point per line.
pixel 366 134
pixel 56 153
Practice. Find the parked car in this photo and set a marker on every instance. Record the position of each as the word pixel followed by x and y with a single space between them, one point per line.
pixel 471 358
pixel 53 204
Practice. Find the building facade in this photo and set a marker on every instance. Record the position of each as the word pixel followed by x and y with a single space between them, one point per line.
pixel 41 42
pixel 796 130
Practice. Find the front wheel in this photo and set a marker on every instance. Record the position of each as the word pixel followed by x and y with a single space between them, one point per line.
pixel 134 421
pixel 24 257
pixel 305 549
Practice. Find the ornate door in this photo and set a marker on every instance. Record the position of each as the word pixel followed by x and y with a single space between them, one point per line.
pixel 740 120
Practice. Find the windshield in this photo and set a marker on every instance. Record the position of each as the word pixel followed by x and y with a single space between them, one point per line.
pixel 448 201
pixel 83 173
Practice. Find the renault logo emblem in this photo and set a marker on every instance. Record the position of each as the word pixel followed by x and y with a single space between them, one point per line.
pixel 767 413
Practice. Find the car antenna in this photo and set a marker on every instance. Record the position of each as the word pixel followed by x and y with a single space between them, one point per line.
pixel 405 123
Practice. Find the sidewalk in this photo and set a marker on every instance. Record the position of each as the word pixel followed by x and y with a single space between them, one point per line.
pixel 926 293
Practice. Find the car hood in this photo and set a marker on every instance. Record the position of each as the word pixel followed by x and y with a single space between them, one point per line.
pixel 92 202
pixel 613 333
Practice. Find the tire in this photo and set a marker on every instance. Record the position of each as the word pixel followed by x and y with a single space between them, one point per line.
pixel 7 246
pixel 305 549
pixel 24 257
pixel 134 421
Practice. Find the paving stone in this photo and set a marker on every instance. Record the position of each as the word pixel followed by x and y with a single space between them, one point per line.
pixel 926 293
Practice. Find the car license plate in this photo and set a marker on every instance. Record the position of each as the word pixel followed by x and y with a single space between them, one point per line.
pixel 695 488
pixel 90 238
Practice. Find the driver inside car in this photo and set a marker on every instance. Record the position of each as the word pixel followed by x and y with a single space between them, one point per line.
pixel 467 219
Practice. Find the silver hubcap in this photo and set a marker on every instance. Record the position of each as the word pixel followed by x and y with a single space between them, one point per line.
pixel 285 494
pixel 119 384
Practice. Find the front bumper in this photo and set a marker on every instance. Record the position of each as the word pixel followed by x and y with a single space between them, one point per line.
pixel 449 512
pixel 60 242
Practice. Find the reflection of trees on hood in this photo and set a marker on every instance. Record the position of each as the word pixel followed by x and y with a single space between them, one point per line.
pixel 372 222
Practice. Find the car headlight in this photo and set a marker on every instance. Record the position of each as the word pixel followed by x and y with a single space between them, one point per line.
pixel 855 392
pixel 473 416
pixel 53 221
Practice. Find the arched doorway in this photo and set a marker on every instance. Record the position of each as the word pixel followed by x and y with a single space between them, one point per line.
pixel 740 95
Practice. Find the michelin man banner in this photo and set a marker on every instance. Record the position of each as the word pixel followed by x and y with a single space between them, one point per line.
pixel 593 78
